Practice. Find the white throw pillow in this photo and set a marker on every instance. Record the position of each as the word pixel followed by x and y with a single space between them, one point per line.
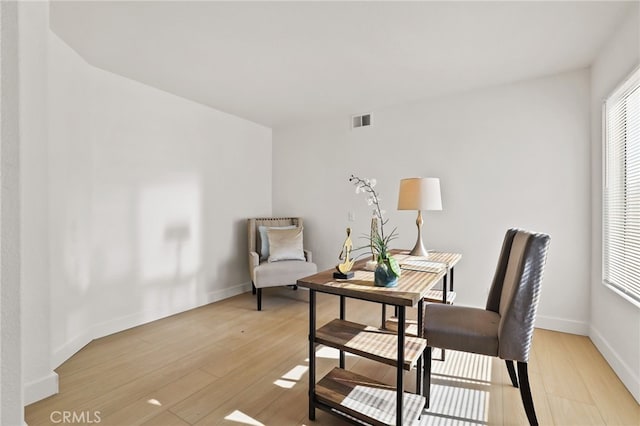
pixel 285 244
pixel 264 240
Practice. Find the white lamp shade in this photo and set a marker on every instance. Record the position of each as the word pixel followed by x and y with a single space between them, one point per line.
pixel 420 194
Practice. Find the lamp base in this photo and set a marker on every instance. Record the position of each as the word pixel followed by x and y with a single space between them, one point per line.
pixel 419 250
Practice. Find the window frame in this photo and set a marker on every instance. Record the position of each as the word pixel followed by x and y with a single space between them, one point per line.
pixel 615 92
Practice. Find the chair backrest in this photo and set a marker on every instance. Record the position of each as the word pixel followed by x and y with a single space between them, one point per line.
pixel 515 291
pixel 255 243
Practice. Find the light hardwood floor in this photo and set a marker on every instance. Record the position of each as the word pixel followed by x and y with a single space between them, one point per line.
pixel 226 363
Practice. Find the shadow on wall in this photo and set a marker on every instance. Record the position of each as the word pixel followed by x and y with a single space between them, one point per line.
pixel 143 262
pixel 169 247
pixel 231 261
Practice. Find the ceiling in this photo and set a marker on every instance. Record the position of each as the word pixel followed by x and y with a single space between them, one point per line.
pixel 280 63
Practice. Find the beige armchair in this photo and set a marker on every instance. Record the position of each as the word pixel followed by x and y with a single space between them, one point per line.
pixel 281 270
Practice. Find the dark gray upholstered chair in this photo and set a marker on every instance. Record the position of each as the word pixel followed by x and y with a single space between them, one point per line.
pixel 505 328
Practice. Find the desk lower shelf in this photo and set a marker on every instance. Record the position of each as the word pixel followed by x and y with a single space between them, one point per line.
pixel 411 329
pixel 436 296
pixel 366 400
pixel 370 342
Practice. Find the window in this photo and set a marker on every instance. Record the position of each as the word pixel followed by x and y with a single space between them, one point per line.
pixel 621 197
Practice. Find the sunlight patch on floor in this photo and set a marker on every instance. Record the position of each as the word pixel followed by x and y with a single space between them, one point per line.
pixel 460 390
pixel 464 366
pixel 155 402
pixel 296 372
pixel 291 377
pixel 240 417
pixel 285 384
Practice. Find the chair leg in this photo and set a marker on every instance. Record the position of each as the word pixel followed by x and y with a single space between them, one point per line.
pixel 427 375
pixel 512 372
pixel 525 392
pixel 253 288
pixel 259 299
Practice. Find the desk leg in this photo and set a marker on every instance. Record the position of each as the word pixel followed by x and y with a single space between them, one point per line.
pixel 342 317
pixel 419 366
pixel 400 369
pixel 451 279
pixel 444 296
pixel 312 354
pixel 383 323
pixel 444 288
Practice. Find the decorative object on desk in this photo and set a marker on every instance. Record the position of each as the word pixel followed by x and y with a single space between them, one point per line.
pixel 344 268
pixel 422 266
pixel 372 234
pixel 385 276
pixel 419 194
pixel 387 269
pixel 373 263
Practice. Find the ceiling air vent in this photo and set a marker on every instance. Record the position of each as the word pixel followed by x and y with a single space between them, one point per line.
pixel 360 121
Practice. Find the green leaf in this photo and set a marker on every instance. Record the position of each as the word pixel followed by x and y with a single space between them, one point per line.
pixel 394 265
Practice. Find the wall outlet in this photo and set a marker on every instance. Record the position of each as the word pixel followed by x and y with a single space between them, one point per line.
pixel 352 216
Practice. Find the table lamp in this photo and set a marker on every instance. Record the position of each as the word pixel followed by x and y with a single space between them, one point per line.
pixel 419 194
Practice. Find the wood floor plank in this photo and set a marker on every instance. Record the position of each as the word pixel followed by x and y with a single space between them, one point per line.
pixel 207 365
pixel 286 409
pixel 602 382
pixel 239 377
pixel 94 354
pixel 498 382
pixel 111 401
pixel 159 400
pixel 569 412
pixel 165 418
pixel 559 375
pixel 289 375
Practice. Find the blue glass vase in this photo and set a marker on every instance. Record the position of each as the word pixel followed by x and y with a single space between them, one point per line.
pixel 384 277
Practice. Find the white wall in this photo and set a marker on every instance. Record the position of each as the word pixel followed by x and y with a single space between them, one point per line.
pixel 40 381
pixel 615 322
pixel 11 412
pixel 142 199
pixel 149 195
pixel 513 155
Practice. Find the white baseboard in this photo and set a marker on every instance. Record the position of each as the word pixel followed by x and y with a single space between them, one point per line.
pixel 40 389
pixel 64 352
pixel 624 372
pixel 562 324
pixel 226 293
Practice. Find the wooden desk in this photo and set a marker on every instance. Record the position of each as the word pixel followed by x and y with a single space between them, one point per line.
pixel 343 393
pixel 435 260
pixel 444 260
